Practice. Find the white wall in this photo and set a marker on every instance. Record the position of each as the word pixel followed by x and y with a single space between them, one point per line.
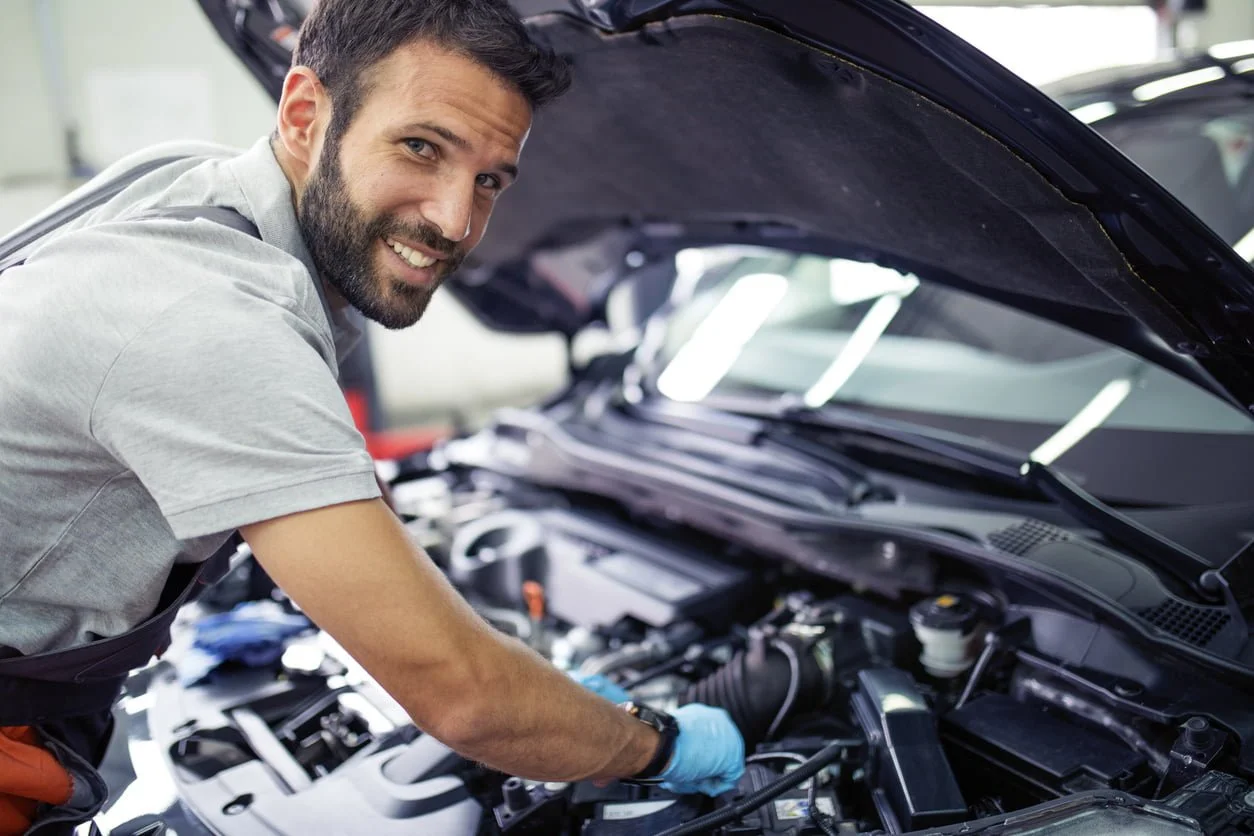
pixel 141 71
pixel 30 146
pixel 1046 43
pixel 137 71
pixel 1224 20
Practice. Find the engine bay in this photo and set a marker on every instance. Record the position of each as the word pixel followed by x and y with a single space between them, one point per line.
pixel 933 710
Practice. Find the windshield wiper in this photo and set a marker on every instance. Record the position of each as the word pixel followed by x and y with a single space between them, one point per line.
pixel 1014 470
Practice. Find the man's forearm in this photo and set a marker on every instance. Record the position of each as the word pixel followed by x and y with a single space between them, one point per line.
pixel 354 571
pixel 522 716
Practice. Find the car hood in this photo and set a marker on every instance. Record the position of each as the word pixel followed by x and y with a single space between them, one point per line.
pixel 860 129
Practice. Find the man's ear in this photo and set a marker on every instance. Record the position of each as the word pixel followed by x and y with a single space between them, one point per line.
pixel 304 110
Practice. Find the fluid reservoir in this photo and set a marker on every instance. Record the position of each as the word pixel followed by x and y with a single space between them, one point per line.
pixel 948 628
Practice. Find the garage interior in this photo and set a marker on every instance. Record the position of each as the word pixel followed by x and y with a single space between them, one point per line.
pixel 956 531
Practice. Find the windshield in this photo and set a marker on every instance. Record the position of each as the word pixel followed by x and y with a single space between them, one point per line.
pixel 816 330
pixel 1201 154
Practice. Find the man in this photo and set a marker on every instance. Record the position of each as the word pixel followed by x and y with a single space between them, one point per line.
pixel 165 382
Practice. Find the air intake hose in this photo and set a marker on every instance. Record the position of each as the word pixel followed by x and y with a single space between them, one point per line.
pixel 775 676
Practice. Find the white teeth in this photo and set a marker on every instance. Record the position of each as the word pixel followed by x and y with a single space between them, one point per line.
pixel 414 259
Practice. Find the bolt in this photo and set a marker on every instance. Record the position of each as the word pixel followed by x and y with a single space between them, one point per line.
pixel 1249 799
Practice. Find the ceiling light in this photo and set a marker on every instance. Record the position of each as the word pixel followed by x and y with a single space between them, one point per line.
pixel 1090 113
pixel 1234 49
pixel 855 351
pixel 1245 247
pixel 1089 418
pixel 851 282
pixel 1174 83
pixel 710 352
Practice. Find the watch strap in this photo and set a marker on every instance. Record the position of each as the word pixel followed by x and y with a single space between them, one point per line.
pixel 668 731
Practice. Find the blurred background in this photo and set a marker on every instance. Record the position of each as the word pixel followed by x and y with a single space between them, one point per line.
pixel 83 82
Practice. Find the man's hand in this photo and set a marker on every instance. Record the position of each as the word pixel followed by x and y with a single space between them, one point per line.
pixel 603 687
pixel 709 752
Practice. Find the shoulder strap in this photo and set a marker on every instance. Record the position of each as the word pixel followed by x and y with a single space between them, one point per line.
pixel 223 215
pixel 13 247
pixel 24 237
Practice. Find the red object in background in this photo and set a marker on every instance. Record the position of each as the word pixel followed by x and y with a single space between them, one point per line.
pixel 390 444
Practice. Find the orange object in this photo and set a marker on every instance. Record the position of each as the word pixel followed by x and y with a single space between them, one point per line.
pixel 533 594
pixel 29 776
pixel 391 444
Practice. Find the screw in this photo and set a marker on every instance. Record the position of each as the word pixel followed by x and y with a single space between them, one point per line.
pixel 1128 689
pixel 1249 799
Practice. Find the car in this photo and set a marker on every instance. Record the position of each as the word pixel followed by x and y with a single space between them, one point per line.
pixel 1187 121
pixel 909 421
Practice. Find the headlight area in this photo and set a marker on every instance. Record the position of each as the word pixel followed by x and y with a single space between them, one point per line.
pixel 861 714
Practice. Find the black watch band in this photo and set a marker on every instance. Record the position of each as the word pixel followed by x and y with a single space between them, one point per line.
pixel 666 728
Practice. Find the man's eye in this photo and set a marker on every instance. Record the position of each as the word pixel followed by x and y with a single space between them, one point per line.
pixel 421 147
pixel 488 181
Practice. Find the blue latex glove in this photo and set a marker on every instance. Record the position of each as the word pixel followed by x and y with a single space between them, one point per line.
pixel 709 752
pixel 602 687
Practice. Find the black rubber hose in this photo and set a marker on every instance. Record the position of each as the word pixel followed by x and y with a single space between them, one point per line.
pixel 827 755
pixel 760 682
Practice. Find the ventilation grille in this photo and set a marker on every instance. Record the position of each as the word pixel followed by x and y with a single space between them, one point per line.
pixel 1021 538
pixel 1193 624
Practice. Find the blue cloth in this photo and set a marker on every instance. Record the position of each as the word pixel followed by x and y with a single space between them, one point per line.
pixel 254 633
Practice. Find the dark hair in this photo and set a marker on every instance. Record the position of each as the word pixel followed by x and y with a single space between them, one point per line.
pixel 342 39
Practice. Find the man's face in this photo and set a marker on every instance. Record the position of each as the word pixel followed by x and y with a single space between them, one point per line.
pixel 397 201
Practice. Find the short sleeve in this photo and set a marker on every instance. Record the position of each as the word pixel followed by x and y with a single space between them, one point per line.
pixel 226 409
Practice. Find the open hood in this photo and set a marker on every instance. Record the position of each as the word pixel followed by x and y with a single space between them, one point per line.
pixel 855 128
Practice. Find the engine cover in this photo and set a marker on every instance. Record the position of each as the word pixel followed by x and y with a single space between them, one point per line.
pixel 593 573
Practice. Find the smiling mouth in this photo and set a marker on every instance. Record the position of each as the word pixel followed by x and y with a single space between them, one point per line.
pixel 410 256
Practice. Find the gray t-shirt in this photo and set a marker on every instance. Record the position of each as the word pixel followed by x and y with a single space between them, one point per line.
pixel 162 382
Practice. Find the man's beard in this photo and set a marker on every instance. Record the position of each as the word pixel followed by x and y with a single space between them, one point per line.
pixel 343 244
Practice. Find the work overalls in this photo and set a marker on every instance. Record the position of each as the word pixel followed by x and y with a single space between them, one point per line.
pixel 56 708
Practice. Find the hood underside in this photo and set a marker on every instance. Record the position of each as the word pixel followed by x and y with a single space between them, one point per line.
pixel 718 120
pixel 772 129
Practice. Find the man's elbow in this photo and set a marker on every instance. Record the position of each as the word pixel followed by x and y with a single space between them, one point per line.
pixel 462 706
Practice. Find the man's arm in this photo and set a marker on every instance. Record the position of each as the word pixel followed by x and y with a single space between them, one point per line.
pixel 354 571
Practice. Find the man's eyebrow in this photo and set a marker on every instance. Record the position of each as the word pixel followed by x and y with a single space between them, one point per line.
pixel 456 141
pixel 444 133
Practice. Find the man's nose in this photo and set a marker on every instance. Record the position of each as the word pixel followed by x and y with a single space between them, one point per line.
pixel 450 208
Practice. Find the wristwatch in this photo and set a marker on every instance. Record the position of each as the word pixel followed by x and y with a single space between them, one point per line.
pixel 666 728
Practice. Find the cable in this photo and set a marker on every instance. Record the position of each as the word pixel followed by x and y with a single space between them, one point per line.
pixel 829 753
pixel 794 682
pixel 822 820
pixel 795 757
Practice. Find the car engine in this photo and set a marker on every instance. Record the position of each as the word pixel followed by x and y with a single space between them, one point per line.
pixel 862 712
